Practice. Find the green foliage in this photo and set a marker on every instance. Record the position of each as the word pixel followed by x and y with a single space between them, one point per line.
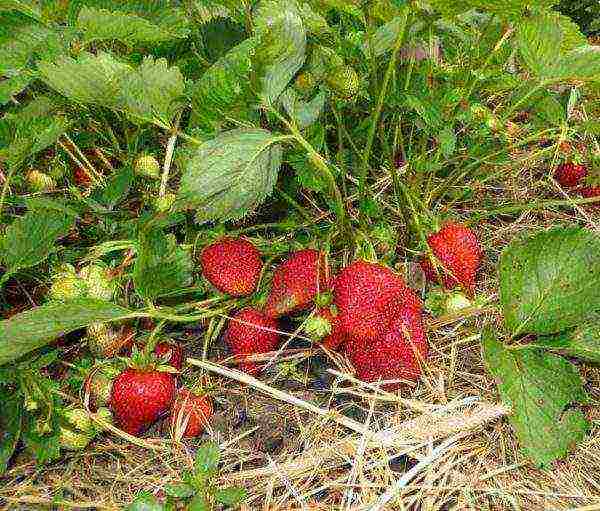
pixel 282 49
pixel 161 266
pixel 581 342
pixel 538 387
pixel 30 239
pixel 35 328
pixel 100 24
pixel 229 176
pixel 224 92
pixel 550 281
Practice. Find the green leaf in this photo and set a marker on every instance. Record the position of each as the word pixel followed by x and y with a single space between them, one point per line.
pixel 550 281
pixel 282 49
pixel 207 459
pixel 180 491
pixel 230 496
pixel 116 189
pixel 229 176
pixel 582 342
pixel 101 24
pixel 93 79
pixel 23 42
pixel 303 112
pixel 199 503
pixel 10 87
pixel 145 501
pixel 11 422
pixel 31 238
pixel 224 90
pixel 32 329
pixel 447 141
pixel 151 91
pixel 384 38
pixel 538 387
pixel 161 265
pixel 539 39
pixel 580 64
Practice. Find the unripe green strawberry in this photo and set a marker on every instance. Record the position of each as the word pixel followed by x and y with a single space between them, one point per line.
pixel 344 81
pixel 163 204
pixel 147 166
pixel 456 302
pixel 73 440
pixel 99 382
pixel 305 83
pixel 100 284
pixel 101 338
pixel 76 429
pixel 39 181
pixel 67 285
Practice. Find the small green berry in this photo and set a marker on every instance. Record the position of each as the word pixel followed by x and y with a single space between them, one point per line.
pixel 39 181
pixel 147 166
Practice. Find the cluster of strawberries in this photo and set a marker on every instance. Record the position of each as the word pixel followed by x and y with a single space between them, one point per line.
pixel 576 177
pixel 371 314
pixel 374 317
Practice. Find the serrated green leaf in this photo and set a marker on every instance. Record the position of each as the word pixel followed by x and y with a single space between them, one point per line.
pixel 229 176
pixel 10 87
pixel 550 281
pixel 145 501
pixel 116 188
pixel 93 79
pixel 503 8
pixel 207 458
pixel 582 342
pixel 34 328
pixel 384 38
pixel 179 491
pixel 538 387
pixel 151 91
pixel 102 24
pixel 161 266
pixel 31 238
pixel 230 496
pixel 282 48
pixel 224 90
pixel 11 421
pixel 29 8
pixel 304 113
pixel 447 141
pixel 199 503
pixel 580 64
pixel 539 39
pixel 23 42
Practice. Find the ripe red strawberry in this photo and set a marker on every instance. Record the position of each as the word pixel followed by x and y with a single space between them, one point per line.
pixel 251 332
pixel 82 177
pixel 569 174
pixel 368 296
pixel 232 265
pixel 395 356
pixel 171 354
pixel 190 414
pixel 590 191
pixel 296 282
pixel 459 254
pixel 140 396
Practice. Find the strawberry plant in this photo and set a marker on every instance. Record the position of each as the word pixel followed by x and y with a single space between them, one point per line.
pixel 248 182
